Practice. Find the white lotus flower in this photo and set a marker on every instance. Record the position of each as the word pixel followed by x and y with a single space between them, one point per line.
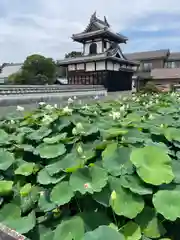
pixel 42 103
pixel 96 97
pixel 113 195
pixel 75 97
pixel 67 110
pixel 20 108
pixel 70 100
pixel 115 115
pixel 47 120
pixel 49 107
pixel 55 105
pixel 79 126
pixel 12 122
pixel 122 108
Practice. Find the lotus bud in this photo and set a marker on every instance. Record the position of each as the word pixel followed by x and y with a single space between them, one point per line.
pixel 86 185
pixel 162 125
pixel 67 110
pixel 74 131
pixel 79 149
pixel 113 195
pixel 75 97
pixel 122 108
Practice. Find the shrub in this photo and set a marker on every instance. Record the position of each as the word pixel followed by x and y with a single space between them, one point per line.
pixel 150 87
pixel 109 170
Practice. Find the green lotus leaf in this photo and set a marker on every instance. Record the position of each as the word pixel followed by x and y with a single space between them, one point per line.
pixel 26 147
pixel 172 134
pixel 61 193
pixel 115 159
pixel 153 165
pixel 6 159
pixel 50 151
pixel 5 187
pixel 124 202
pixel 89 179
pixel 72 161
pixel 25 169
pixel 28 201
pixel 39 134
pixel 22 225
pixel 176 170
pixel 93 220
pixel 9 211
pixel 44 202
pixel 131 231
pixel 70 229
pixel 103 196
pixel 135 184
pixel 150 225
pixel 45 179
pixel 103 232
pixel 166 203
pixel 4 137
pixel 47 236
pixel 55 139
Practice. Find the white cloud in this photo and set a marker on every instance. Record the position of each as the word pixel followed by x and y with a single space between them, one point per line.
pixel 43 26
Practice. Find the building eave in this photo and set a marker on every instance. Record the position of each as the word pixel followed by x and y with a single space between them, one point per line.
pixel 106 33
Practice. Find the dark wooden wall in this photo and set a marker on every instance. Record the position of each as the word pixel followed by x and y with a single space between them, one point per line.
pixel 112 80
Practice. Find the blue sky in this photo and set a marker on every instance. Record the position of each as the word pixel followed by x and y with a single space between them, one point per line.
pixel 45 27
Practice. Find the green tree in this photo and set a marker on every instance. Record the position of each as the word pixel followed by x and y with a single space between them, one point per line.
pixel 73 54
pixel 36 69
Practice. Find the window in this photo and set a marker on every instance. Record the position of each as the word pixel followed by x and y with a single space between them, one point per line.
pixel 172 64
pixel 104 44
pixel 146 66
pixel 93 48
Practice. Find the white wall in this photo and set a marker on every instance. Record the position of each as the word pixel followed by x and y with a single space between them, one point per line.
pixel 87 45
pixel 71 67
pixel 90 66
pixel 110 66
pixel 80 66
pixel 100 66
pixel 116 66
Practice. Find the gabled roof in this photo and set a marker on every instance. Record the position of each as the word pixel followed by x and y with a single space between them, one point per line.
pixel 10 69
pixel 98 28
pixel 148 55
pixel 165 73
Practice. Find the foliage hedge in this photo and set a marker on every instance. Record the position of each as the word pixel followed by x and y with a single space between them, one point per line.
pixel 109 170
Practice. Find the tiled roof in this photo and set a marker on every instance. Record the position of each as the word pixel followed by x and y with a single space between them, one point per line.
pixel 10 69
pixel 109 54
pixel 165 73
pixel 148 55
pixel 174 56
pixel 99 27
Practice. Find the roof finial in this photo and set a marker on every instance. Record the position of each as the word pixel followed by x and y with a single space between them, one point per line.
pixel 105 20
pixel 93 17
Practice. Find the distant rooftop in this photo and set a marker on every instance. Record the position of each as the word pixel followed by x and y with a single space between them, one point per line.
pixel 9 69
pixel 147 55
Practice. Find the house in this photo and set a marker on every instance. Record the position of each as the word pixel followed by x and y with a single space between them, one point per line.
pixel 8 70
pixel 102 61
pixel 160 66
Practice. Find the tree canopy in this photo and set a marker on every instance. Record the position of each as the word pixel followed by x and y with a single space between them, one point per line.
pixel 36 69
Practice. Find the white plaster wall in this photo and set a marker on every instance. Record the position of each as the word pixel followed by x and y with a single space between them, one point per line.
pixel 90 66
pixel 110 66
pixel 71 67
pixel 80 66
pixel 87 45
pixel 100 65
pixel 116 66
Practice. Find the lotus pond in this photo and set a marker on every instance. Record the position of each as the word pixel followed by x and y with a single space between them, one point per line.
pixel 108 170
